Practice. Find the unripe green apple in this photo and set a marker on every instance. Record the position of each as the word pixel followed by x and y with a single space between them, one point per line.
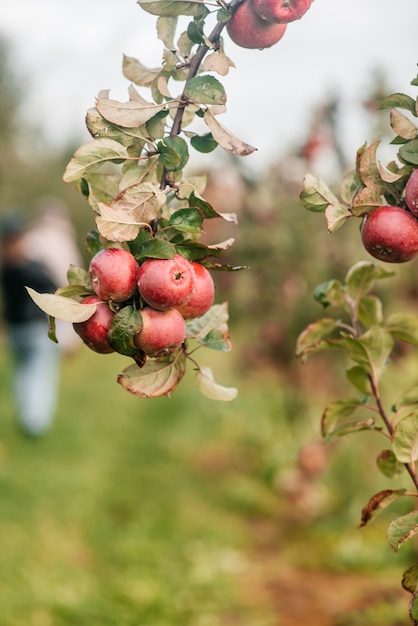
pixel 166 283
pixel 411 192
pixel 390 233
pixel 203 295
pixel 281 11
pixel 94 331
pixel 162 332
pixel 248 30
pixel 113 273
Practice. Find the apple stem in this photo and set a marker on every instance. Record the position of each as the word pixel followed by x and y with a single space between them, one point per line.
pixel 193 68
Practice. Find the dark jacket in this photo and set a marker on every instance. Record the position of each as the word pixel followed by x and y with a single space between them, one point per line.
pixel 17 306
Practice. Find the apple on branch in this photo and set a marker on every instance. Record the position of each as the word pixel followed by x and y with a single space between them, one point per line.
pixel 113 274
pixel 95 330
pixel 281 11
pixel 248 30
pixel 166 283
pixel 203 295
pixel 162 332
pixel 390 233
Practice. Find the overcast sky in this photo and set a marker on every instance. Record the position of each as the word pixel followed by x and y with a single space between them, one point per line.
pixel 65 52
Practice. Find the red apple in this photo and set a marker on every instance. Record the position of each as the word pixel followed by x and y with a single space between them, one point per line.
pixel 166 283
pixel 162 332
pixel 248 30
pixel 411 192
pixel 280 11
pixel 113 273
pixel 94 331
pixel 203 296
pixel 390 233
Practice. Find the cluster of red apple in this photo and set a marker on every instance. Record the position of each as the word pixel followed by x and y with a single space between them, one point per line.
pixel 390 233
pixel 262 23
pixel 167 292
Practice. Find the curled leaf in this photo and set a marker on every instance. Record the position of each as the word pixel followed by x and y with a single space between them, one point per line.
pixel 378 503
pixel 211 389
pixel 225 138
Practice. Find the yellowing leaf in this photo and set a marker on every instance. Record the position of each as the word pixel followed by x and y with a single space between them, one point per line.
pixel 156 378
pixel 217 62
pixel 225 138
pixel 92 155
pixel 127 114
pixel 62 308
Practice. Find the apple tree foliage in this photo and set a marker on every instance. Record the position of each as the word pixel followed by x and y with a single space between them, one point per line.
pixel 132 175
pixel 361 329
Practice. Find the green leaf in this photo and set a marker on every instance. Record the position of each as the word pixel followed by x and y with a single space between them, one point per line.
pixel 314 334
pixel 217 340
pixel 316 196
pixel 125 325
pixel 352 427
pixel 389 465
pixel 92 155
pixel 195 33
pixel 409 152
pixel 360 379
pixel 187 220
pixel 62 308
pixel 330 293
pixel 216 319
pixel 206 90
pixel 203 143
pixel 224 14
pixel 370 311
pixel 405 438
pixel 362 276
pixel 155 248
pixel 403 326
pixel 399 100
pixel 157 377
pixel 371 350
pixel 169 8
pixel 179 153
pixel 336 411
pixel 401 529
pixel 211 389
pixel 78 276
pixel 378 503
pixel 410 579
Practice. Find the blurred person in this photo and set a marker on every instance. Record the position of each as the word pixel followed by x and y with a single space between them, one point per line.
pixel 51 239
pixel 35 373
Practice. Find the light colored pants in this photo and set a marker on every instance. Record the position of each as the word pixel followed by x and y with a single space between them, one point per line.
pixel 35 375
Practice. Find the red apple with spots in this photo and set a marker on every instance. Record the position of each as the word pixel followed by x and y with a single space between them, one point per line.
pixel 248 30
pixel 166 283
pixel 162 332
pixel 94 331
pixel 390 233
pixel 203 295
pixel 281 11
pixel 411 193
pixel 113 274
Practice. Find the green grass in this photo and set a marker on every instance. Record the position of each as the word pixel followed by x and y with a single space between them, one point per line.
pixel 136 512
